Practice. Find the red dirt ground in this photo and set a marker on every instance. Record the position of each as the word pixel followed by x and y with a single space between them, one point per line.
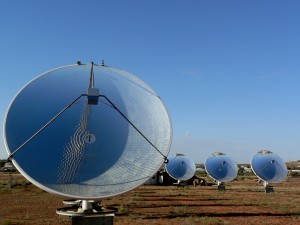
pixel 244 202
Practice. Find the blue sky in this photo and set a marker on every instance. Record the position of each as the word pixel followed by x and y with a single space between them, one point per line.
pixel 228 71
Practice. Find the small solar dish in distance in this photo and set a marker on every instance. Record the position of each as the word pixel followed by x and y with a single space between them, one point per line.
pixel 268 167
pixel 180 167
pixel 87 131
pixel 221 167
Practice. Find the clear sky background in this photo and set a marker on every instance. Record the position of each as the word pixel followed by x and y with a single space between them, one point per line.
pixel 228 71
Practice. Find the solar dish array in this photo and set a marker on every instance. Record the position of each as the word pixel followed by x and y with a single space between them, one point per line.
pixel 268 166
pixel 89 151
pixel 180 167
pixel 221 167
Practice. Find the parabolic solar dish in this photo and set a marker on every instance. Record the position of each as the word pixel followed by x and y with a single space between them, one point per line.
pixel 268 166
pixel 87 131
pixel 221 167
pixel 180 167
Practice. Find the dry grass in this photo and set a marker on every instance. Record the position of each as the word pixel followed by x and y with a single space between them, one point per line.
pixel 244 202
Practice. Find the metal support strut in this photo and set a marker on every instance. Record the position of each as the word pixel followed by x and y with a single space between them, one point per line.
pixel 93 98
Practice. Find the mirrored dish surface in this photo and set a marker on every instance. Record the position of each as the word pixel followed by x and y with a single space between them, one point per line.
pixel 221 167
pixel 89 151
pixel 180 167
pixel 269 167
